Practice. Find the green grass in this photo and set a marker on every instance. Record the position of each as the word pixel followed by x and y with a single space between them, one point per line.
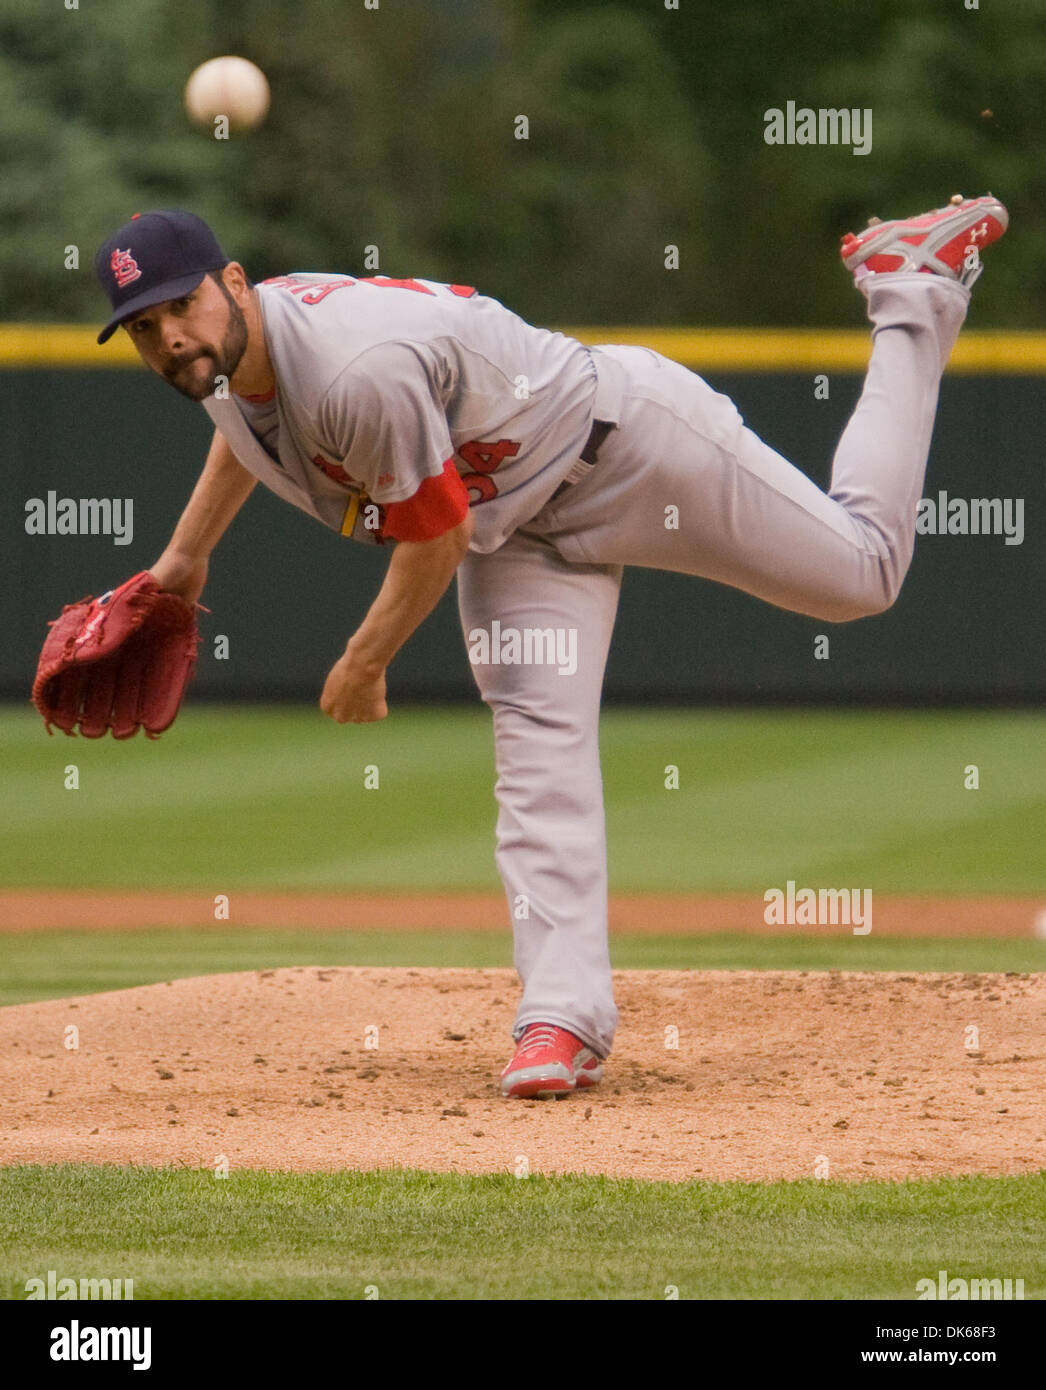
pixel 274 797
pixel 188 1234
pixel 59 964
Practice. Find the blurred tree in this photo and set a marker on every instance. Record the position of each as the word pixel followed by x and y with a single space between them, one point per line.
pixel 770 219
pixel 396 128
pixel 573 221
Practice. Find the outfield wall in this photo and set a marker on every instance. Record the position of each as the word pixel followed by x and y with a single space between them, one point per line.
pixel 287 592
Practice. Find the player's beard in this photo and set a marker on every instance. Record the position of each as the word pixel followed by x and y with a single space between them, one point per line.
pixel 226 360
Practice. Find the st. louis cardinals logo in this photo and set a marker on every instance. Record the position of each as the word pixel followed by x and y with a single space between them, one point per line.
pixel 124 267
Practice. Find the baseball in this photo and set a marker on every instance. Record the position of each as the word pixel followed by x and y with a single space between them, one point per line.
pixel 231 87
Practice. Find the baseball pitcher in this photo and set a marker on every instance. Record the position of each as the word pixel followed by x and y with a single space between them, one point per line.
pixel 429 419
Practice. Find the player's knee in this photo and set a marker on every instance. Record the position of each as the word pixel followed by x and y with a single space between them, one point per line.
pixel 867 602
pixel 865 610
pixel 873 592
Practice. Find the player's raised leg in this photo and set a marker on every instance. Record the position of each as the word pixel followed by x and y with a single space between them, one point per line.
pixel 683 485
pixel 538 630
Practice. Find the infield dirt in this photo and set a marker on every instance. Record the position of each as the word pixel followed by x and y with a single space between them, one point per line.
pixel 39 909
pixel 776 1075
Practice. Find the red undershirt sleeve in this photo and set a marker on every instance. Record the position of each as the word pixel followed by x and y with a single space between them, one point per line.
pixel 438 506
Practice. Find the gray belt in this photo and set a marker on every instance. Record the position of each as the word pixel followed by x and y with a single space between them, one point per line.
pixel 590 453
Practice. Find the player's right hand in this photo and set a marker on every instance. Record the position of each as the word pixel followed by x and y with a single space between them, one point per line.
pixel 354 693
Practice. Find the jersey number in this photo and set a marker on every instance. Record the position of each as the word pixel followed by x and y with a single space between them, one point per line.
pixel 483 459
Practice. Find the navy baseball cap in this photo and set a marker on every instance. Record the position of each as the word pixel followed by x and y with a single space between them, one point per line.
pixel 154 257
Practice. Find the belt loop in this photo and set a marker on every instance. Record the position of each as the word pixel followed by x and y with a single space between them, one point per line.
pixel 589 456
pixel 596 440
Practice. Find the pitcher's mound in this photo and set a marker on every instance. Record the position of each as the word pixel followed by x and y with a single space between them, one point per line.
pixel 753 1075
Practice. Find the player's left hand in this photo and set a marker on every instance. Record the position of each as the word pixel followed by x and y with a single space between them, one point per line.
pixel 353 693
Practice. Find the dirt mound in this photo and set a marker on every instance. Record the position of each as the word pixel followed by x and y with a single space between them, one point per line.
pixel 775 1075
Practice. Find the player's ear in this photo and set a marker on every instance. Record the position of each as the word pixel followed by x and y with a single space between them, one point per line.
pixel 234 277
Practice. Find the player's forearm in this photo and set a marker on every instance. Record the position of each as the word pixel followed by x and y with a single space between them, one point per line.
pixel 223 487
pixel 418 576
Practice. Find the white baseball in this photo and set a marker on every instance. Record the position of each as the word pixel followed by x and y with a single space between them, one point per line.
pixel 230 87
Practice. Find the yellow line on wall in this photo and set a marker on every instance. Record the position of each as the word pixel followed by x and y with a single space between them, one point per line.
pixel 703 349
pixel 814 349
pixel 62 345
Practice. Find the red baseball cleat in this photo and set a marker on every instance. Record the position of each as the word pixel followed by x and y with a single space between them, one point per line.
pixel 550 1061
pixel 947 241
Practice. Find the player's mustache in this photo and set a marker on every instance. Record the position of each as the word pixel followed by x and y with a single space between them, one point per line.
pixel 175 366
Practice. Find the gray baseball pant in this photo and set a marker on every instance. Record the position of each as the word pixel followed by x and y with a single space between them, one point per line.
pixel 745 517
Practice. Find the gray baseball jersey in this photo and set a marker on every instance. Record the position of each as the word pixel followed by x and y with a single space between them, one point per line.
pixel 384 386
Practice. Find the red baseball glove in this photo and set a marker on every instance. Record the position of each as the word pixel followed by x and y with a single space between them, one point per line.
pixel 119 662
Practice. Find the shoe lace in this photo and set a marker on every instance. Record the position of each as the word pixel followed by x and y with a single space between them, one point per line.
pixel 538 1035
